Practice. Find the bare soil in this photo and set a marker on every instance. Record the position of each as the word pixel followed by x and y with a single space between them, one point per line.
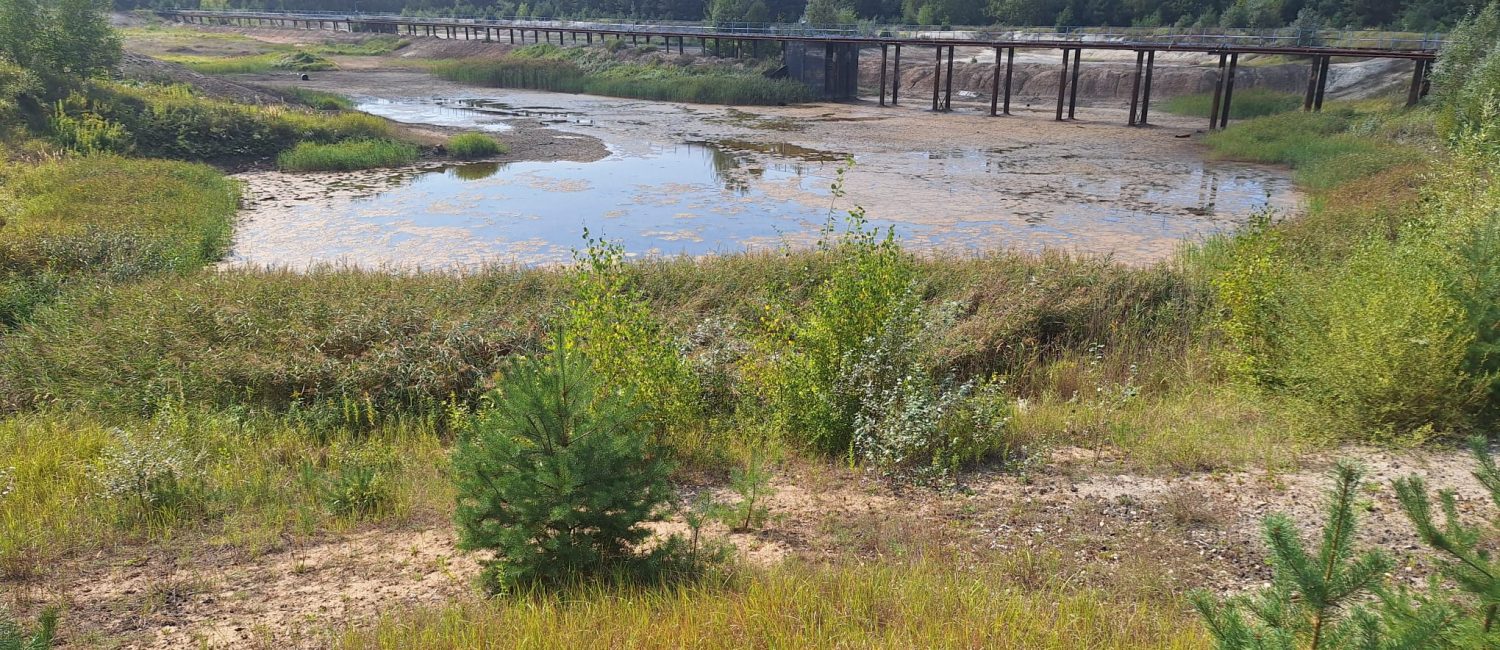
pixel 1078 516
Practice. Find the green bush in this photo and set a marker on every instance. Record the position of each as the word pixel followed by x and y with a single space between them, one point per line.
pixel 1317 145
pixel 355 347
pixel 611 322
pixel 1466 79
pixel 172 122
pixel 820 366
pixel 346 156
pixel 473 145
pixel 1315 599
pixel 557 477
pixel 321 100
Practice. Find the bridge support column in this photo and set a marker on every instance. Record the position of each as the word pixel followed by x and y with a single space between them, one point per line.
pixel 948 83
pixel 937 78
pixel 1234 62
pixel 1135 86
pixel 1073 86
pixel 884 56
pixel 1062 84
pixel 1322 83
pixel 1213 112
pixel 1418 76
pixel 1010 69
pixel 995 86
pixel 896 77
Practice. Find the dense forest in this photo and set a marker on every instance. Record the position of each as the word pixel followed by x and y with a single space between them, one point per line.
pixel 1414 15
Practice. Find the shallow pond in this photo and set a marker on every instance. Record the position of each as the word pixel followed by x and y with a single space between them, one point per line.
pixel 721 192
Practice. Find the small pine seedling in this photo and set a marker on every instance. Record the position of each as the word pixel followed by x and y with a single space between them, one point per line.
pixel 753 484
pixel 1471 567
pixel 1314 602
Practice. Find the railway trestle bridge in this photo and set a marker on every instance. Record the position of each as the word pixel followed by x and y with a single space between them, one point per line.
pixel 829 62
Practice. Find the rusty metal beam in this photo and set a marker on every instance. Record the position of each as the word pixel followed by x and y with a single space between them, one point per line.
pixel 995 86
pixel 948 83
pixel 1213 112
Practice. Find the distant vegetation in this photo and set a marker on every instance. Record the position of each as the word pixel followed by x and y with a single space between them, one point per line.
pixel 298 61
pixel 347 155
pixel 1246 103
pixel 1414 15
pixel 578 70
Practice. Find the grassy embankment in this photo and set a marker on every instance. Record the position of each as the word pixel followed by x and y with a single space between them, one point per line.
pixel 600 72
pixel 229 53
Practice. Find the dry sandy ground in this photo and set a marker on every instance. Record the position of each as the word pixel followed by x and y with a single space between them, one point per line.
pixel 1121 532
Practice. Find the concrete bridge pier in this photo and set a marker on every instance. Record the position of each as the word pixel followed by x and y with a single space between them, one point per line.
pixel 830 68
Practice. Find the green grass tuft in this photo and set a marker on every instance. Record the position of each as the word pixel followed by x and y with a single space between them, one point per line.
pixel 474 145
pixel 349 155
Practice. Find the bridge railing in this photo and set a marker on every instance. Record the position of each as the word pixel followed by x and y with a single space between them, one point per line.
pixel 1219 37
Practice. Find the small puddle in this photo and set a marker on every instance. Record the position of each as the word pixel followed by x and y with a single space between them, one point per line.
pixel 426 111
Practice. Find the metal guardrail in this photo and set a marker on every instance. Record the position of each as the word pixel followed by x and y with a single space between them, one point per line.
pixel 1276 38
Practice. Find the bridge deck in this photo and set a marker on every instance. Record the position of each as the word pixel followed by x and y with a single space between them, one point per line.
pixel 839 80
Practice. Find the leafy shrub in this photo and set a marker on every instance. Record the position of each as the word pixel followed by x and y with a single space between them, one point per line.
pixel 346 156
pixel 88 133
pixel 153 475
pixel 610 321
pixel 473 145
pixel 819 363
pixel 1466 79
pixel 359 489
pixel 172 122
pixel 557 476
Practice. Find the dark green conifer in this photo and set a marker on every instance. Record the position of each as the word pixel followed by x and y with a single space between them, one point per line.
pixel 1332 598
pixel 1471 566
pixel 557 476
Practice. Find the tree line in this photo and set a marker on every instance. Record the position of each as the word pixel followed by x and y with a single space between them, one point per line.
pixel 1413 15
